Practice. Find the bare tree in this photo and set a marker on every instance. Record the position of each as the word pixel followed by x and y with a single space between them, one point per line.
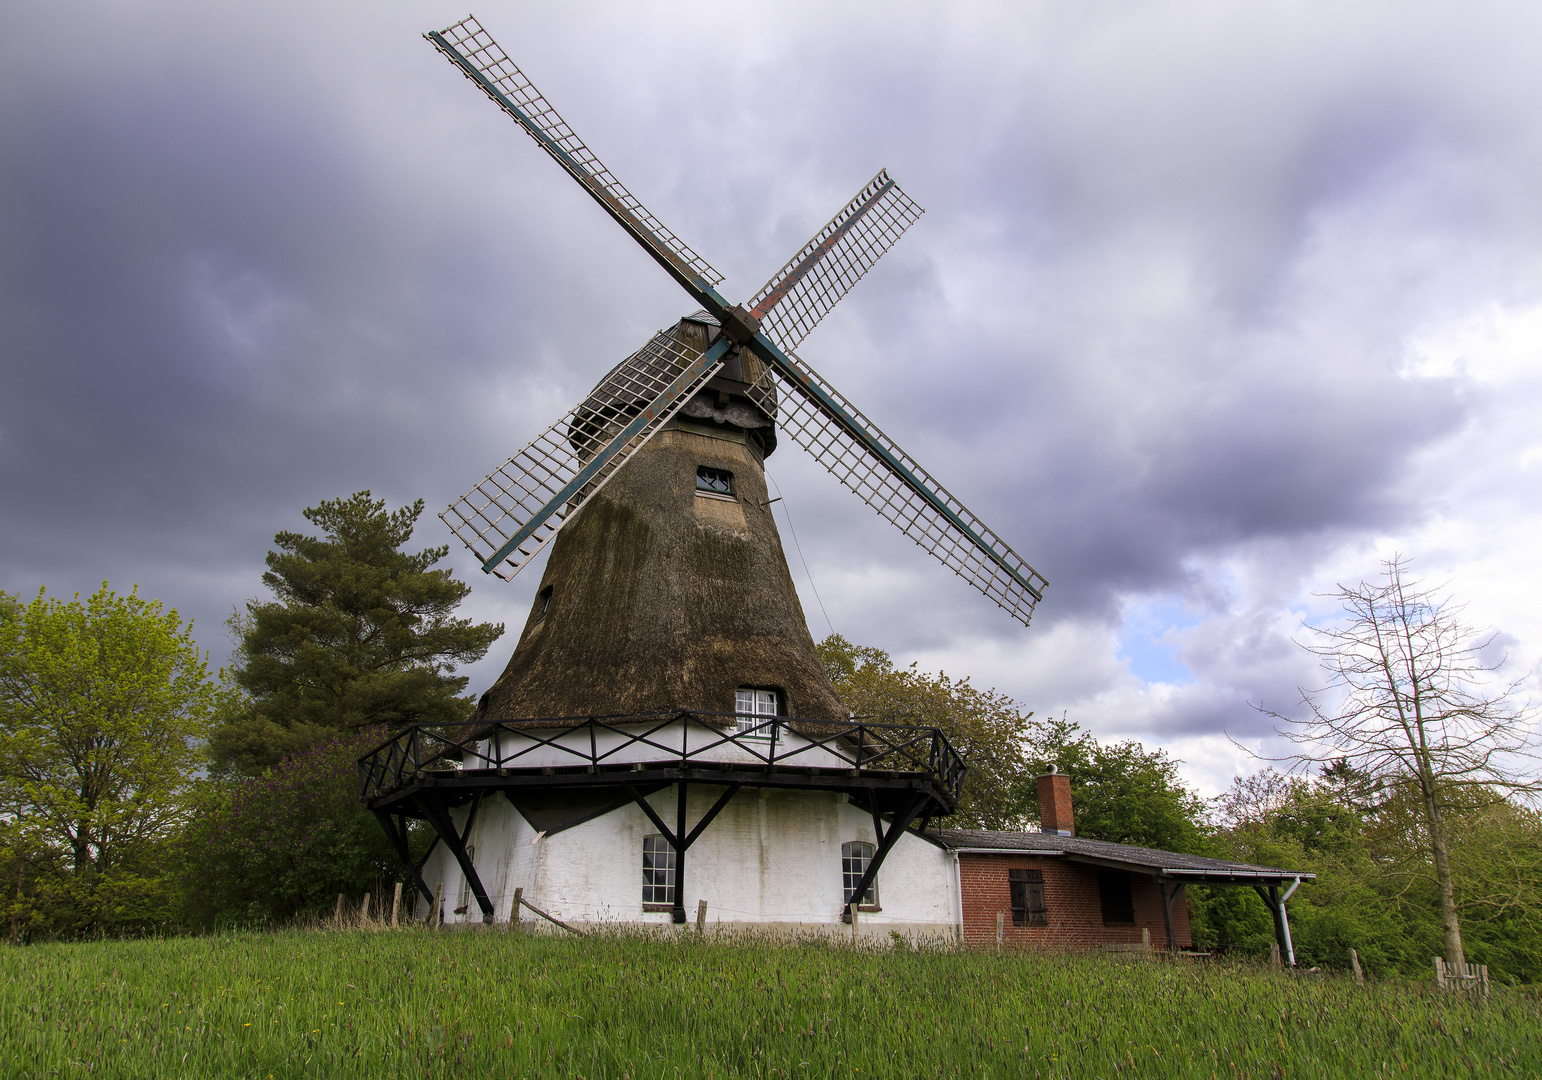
pixel 1411 702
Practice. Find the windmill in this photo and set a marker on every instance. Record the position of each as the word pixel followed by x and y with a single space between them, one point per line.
pixel 666 647
pixel 735 354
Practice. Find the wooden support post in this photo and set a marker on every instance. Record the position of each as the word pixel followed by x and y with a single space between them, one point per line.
pixel 436 913
pixel 701 917
pixel 1354 965
pixel 337 916
pixel 396 901
pixel 364 911
pixel 1001 928
pixel 851 909
pixel 678 842
pixel 519 898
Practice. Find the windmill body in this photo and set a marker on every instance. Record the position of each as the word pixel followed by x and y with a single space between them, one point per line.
pixel 669 588
pixel 665 680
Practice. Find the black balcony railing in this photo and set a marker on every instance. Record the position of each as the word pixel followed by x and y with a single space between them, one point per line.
pixel 659 740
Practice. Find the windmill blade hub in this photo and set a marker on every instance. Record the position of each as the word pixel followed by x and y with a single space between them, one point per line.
pixel 739 326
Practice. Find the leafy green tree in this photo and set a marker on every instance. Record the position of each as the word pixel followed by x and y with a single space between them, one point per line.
pixel 103 707
pixel 1375 891
pixel 282 845
pixel 988 728
pixel 1120 792
pixel 359 633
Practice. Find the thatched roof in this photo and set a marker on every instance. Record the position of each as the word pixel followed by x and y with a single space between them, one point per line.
pixel 656 597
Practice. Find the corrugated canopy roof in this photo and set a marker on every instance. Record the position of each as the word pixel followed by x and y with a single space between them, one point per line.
pixel 1168 864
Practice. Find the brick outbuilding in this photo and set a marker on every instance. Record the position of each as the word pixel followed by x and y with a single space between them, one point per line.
pixel 1054 889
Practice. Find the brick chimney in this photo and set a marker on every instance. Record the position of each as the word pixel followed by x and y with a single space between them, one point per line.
pixel 1055 804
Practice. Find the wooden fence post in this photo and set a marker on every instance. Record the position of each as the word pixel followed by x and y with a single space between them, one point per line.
pixel 1274 954
pixel 519 898
pixel 1440 973
pixel 364 911
pixel 396 901
pixel 1145 938
pixel 1001 928
pixel 1354 964
pixel 701 917
pixel 853 910
pixel 436 913
pixel 337 916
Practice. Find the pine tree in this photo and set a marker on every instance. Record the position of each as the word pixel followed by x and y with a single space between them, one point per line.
pixel 359 633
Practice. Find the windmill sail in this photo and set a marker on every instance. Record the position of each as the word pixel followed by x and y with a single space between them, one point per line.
pixel 484 62
pixel 512 514
pixel 839 437
pixel 813 281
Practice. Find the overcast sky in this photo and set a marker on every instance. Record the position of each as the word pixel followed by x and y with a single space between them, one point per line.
pixel 1214 304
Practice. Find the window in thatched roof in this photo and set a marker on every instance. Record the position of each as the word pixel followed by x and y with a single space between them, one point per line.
pixel 718 482
pixel 658 872
pixel 752 705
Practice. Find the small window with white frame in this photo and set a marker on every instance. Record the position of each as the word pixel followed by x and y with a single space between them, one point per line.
pixel 716 483
pixel 658 873
pixel 754 707
pixel 856 856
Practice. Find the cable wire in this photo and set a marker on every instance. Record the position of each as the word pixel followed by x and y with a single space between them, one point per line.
pixel 799 548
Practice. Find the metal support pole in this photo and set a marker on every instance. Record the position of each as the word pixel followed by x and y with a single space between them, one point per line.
pixel 1290 949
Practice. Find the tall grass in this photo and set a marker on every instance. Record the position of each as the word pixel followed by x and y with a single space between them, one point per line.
pixel 417 1002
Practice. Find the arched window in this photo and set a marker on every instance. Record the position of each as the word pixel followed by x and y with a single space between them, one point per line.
pixel 754 707
pixel 855 857
pixel 658 871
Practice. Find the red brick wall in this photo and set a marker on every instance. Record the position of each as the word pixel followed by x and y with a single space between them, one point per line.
pixel 1071 895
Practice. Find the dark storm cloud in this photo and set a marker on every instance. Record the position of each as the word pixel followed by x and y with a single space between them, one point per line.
pixel 1155 316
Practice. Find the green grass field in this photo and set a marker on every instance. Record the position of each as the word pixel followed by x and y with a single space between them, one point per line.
pixel 420 1003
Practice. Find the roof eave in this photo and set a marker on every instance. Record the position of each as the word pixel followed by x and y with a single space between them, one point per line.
pixel 1195 874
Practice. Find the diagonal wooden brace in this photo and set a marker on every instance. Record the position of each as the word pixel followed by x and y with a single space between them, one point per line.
pixel 896 830
pixel 444 825
pixel 397 831
pixel 678 838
